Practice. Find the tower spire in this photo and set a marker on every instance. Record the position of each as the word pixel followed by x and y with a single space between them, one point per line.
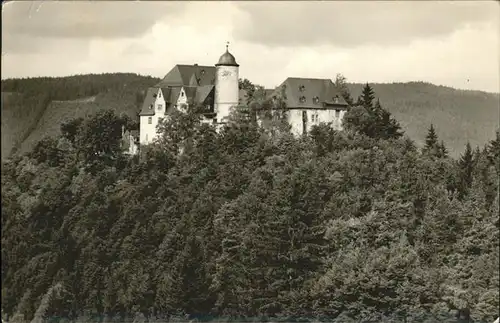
pixel 227 46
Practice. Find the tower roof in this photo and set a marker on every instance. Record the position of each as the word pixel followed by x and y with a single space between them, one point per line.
pixel 227 59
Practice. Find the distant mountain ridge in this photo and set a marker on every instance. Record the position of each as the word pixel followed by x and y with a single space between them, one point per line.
pixel 458 115
pixel 35 107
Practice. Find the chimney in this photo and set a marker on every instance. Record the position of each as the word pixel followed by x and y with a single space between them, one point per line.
pixel 195 64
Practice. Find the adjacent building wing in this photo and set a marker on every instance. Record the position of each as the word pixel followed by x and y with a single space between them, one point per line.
pixel 304 93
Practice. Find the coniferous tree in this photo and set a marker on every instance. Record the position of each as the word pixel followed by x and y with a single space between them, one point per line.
pixel 443 151
pixel 409 145
pixel 371 119
pixel 367 97
pixel 493 150
pixel 386 126
pixel 465 169
pixel 334 226
pixel 431 139
pixel 431 147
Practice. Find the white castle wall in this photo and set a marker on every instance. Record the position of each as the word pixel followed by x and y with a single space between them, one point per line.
pixel 226 90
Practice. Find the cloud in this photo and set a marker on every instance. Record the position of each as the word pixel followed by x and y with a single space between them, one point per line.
pixel 462 55
pixel 355 23
pixel 84 19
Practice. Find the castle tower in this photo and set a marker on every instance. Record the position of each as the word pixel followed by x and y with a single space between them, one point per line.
pixel 226 85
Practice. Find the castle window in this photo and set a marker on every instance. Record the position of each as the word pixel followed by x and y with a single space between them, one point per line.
pixel 150 120
pixel 159 94
pixel 215 120
pixel 160 106
pixel 302 99
pixel 337 113
pixel 302 88
pixel 315 117
pixel 182 94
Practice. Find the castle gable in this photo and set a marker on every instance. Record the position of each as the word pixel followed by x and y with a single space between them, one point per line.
pixel 166 94
pixel 174 94
pixel 190 92
pixel 149 100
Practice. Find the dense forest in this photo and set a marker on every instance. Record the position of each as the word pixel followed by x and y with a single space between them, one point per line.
pixel 250 223
pixel 35 107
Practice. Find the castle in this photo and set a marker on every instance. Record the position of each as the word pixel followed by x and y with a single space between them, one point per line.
pixel 308 101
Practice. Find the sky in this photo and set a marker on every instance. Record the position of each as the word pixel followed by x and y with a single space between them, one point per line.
pixel 453 43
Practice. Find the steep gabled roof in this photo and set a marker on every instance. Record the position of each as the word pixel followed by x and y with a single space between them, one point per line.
pixel 310 93
pixel 166 93
pixel 204 92
pixel 174 94
pixel 187 74
pixel 194 80
pixel 190 93
pixel 148 101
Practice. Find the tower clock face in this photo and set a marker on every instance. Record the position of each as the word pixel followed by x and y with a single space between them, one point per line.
pixel 225 74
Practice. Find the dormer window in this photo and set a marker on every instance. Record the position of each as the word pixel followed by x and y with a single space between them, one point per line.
pixel 182 94
pixel 202 72
pixel 316 100
pixel 302 99
pixel 150 106
pixel 336 99
pixel 302 88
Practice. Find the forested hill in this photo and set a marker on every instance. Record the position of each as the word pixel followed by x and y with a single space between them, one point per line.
pixel 35 107
pixel 458 115
pixel 250 224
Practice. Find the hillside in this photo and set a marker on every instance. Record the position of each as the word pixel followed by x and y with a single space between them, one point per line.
pixel 459 116
pixel 35 107
pixel 248 224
